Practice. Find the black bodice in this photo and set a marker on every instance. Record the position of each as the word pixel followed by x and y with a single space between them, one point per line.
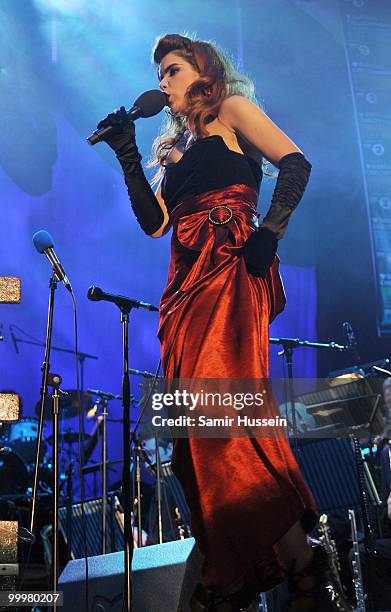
pixel 208 164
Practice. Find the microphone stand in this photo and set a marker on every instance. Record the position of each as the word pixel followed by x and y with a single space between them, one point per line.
pixel 44 390
pixel 140 453
pixel 126 484
pixel 288 344
pixel 125 305
pixel 104 402
pixel 55 381
pixel 145 374
pixel 55 555
pixel 149 375
pixel 81 357
pixel 158 491
pixel 103 399
pixel 69 499
pixel 138 493
pixel 59 349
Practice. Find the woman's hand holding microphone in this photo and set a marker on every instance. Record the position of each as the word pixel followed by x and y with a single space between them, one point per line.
pixel 122 139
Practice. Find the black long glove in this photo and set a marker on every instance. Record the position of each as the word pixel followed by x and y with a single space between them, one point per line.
pixel 122 140
pixel 260 249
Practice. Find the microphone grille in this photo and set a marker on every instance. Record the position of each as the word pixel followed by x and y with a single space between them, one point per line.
pixel 42 240
pixel 94 294
pixel 151 102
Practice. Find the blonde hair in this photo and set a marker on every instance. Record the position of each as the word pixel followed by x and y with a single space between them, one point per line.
pixel 218 80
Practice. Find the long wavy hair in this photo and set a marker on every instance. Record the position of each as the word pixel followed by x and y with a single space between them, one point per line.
pixel 218 80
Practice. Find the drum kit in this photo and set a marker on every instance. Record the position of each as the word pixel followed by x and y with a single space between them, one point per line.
pixel 18 444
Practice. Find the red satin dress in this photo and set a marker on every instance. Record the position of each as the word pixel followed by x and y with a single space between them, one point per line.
pixel 244 493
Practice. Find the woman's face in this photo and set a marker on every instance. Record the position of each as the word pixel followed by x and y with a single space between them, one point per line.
pixel 176 75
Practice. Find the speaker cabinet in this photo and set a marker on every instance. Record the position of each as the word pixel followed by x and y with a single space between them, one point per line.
pixel 164 577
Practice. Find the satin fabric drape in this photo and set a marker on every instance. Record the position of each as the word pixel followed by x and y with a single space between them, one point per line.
pixel 243 493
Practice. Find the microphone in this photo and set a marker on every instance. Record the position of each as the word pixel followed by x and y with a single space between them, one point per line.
pixel 104 394
pixel 144 374
pixel 13 338
pixel 43 242
pixel 351 341
pixel 96 294
pixel 150 103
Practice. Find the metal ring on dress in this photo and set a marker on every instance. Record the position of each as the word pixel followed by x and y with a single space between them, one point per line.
pixel 220 222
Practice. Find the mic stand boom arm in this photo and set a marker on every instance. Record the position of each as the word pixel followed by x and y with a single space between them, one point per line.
pixel 288 344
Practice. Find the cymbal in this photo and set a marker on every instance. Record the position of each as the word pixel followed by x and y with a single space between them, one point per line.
pixel 69 437
pixel 91 469
pixel 69 405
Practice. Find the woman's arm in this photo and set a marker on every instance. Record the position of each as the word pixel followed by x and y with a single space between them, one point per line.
pixel 149 208
pixel 244 117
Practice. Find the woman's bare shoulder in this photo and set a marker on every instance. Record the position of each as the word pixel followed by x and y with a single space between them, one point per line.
pixel 237 102
pixel 233 137
pixel 256 128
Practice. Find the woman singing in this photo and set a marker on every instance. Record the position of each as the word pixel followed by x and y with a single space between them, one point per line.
pixel 250 506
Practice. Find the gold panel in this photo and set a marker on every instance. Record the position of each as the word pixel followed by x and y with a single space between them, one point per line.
pixel 9 533
pixel 8 541
pixel 9 289
pixel 9 407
